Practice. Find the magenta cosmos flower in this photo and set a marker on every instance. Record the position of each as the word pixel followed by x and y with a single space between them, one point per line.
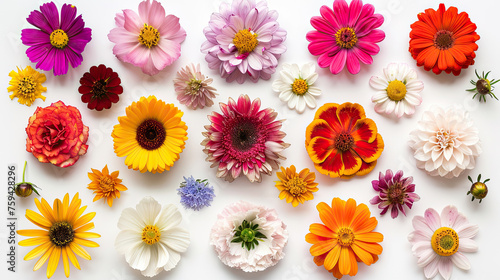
pixel 57 42
pixel 345 35
pixel 244 40
pixel 244 140
pixel 395 192
pixel 149 40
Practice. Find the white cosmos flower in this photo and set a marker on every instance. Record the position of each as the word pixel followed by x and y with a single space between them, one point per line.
pixel 397 91
pixel 295 86
pixel 445 142
pixel 150 237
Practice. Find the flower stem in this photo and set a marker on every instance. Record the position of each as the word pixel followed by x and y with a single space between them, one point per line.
pixel 24 169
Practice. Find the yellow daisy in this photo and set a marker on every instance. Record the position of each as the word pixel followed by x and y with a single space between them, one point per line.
pixel 27 85
pixel 151 135
pixel 296 187
pixel 105 185
pixel 64 232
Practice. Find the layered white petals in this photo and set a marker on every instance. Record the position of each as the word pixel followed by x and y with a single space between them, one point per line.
pixel 445 142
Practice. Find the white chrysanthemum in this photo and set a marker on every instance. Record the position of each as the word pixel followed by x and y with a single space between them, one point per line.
pixel 266 253
pixel 295 86
pixel 150 237
pixel 446 142
pixel 397 91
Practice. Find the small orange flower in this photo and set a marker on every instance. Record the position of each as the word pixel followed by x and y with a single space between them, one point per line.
pixel 105 185
pixel 345 238
pixel 296 187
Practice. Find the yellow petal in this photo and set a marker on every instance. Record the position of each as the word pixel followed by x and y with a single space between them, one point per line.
pixel 43 259
pixel 38 219
pixel 79 250
pixel 65 261
pixel 86 243
pixel 72 257
pixel 53 261
pixel 45 210
pixel 84 219
pixel 83 228
pixel 34 241
pixel 33 232
pixel 38 251
pixel 87 235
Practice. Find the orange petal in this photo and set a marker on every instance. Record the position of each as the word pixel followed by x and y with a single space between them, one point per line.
pixel 365 168
pixel 369 151
pixel 332 258
pixel 312 238
pixel 354 263
pixel 348 114
pixel 322 247
pixel 320 148
pixel 319 128
pixel 373 248
pixel 321 230
pixel 370 237
pixel 338 211
pixel 364 130
pixel 363 255
pixel 328 112
pixel 326 216
pixel 345 261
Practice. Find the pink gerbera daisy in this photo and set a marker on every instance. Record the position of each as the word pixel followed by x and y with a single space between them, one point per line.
pixel 345 35
pixel 244 140
pixel 150 39
pixel 440 241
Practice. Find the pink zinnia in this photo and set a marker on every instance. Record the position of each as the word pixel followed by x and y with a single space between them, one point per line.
pixel 244 140
pixel 244 40
pixel 345 35
pixel 149 40
pixel 395 193
pixel 440 241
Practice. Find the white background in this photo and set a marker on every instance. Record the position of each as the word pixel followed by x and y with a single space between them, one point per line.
pixel 200 261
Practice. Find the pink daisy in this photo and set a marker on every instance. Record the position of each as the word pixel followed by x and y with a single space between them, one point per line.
pixel 149 40
pixel 440 241
pixel 244 40
pixel 244 140
pixel 345 35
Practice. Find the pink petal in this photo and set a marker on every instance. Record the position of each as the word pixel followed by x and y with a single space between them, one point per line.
pixel 354 11
pixel 132 22
pixel 338 61
pixel 138 55
pixel 432 218
pixel 448 216
pixel 420 224
pixel 322 25
pixel 467 245
pixel 432 268
pixel 445 267
pixel 460 261
pixel 341 11
pixel 352 63
pixel 327 13
pixel 467 231
pixel 172 30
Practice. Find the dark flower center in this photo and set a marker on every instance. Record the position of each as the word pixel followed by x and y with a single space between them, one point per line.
pixel 483 86
pixel 151 134
pixel 99 88
pixel 344 142
pixel 443 39
pixel 61 233
pixel 27 86
pixel 395 193
pixel 244 135
pixel 346 37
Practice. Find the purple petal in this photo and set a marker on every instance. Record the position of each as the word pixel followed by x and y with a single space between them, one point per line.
pixel 37 19
pixel 375 185
pixel 394 211
pixel 75 59
pixel 68 14
pixel 398 176
pixel 31 37
pixel 76 27
pixel 49 10
pixel 78 42
pixel 375 200
pixel 385 209
pixel 60 63
pixel 388 175
pixel 47 62
pixel 38 52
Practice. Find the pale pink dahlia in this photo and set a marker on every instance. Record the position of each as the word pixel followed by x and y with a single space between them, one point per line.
pixel 395 193
pixel 244 140
pixel 440 241
pixel 249 237
pixel 244 40
pixel 193 88
pixel 150 39
pixel 345 35
pixel 446 142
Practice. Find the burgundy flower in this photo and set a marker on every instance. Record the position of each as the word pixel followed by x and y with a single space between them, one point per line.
pixel 56 134
pixel 395 193
pixel 100 87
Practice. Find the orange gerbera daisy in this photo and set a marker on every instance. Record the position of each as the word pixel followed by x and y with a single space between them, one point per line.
pixel 64 232
pixel 443 40
pixel 105 185
pixel 342 142
pixel 345 238
pixel 296 187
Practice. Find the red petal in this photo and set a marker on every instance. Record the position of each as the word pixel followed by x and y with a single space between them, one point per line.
pixel 319 128
pixel 348 114
pixel 319 148
pixel 364 130
pixel 328 112
pixel 369 151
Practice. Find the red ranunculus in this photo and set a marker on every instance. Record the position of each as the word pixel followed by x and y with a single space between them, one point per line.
pixel 56 134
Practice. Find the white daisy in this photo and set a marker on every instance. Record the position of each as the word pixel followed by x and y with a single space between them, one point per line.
pixel 150 237
pixel 295 86
pixel 398 91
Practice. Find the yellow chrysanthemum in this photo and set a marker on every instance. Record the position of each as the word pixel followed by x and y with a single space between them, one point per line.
pixel 296 187
pixel 64 232
pixel 105 185
pixel 151 135
pixel 27 85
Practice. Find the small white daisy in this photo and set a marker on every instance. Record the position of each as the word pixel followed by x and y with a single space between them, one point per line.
pixel 397 91
pixel 295 86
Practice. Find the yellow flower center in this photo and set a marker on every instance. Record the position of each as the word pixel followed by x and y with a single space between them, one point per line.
pixel 149 36
pixel 151 235
pixel 445 241
pixel 27 86
pixel 245 41
pixel 346 37
pixel 61 233
pixel 345 236
pixel 396 90
pixel 296 186
pixel 107 184
pixel 194 86
pixel 300 86
pixel 59 38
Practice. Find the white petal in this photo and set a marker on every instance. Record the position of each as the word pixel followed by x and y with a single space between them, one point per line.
pixel 286 95
pixel 380 96
pixel 127 240
pixel 301 105
pixel 168 218
pixel 311 79
pixel 310 100
pixel 295 71
pixel 139 257
pixel 292 103
pixel 173 260
pixel 131 220
pixel 148 209
pixel 152 269
pixel 286 77
pixel 460 261
pixel 390 107
pixel 277 84
pixel 176 239
pixel 307 71
pixel 314 91
pixel 391 72
pixel 378 83
pixel 400 109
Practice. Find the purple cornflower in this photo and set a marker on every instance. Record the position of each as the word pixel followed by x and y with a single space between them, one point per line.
pixel 57 41
pixel 394 192
pixel 196 194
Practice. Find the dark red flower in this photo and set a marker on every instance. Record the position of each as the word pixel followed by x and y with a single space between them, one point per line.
pixel 100 87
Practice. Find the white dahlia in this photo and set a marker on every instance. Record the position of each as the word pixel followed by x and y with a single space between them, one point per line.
pixel 446 142
pixel 249 237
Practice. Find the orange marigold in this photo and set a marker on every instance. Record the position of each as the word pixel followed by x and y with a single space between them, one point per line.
pixel 105 185
pixel 345 238
pixel 296 187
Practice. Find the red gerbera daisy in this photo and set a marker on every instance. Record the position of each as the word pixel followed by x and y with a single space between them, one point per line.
pixel 100 87
pixel 443 40
pixel 342 142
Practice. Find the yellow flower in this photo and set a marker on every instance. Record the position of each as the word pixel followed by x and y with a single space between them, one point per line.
pixel 64 232
pixel 105 185
pixel 26 85
pixel 151 135
pixel 296 187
